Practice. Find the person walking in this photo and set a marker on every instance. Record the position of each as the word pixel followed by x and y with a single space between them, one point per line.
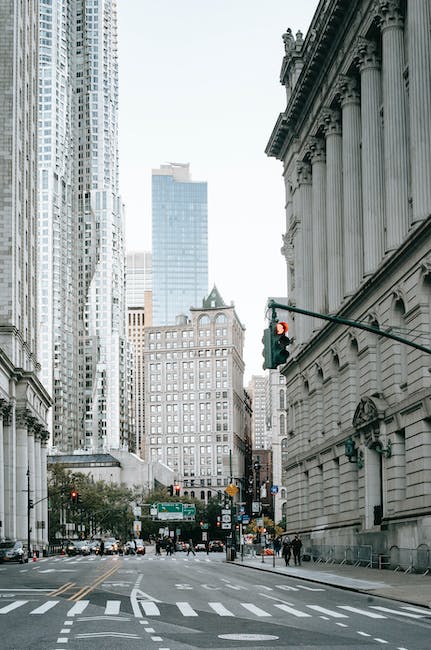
pixel 296 548
pixel 286 551
pixel 191 548
pixel 101 548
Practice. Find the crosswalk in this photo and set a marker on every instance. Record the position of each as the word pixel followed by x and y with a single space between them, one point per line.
pixel 149 608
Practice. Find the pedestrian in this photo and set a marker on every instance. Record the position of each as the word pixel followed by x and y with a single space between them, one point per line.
pixel 296 548
pixel 101 548
pixel 191 548
pixel 286 551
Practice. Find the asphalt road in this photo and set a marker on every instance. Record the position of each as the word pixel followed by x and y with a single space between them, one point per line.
pixel 191 602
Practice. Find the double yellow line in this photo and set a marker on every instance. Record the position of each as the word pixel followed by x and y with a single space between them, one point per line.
pixel 86 589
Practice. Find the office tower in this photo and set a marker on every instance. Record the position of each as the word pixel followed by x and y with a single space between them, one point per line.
pixel 139 306
pixel 355 143
pixel 82 246
pixel 24 403
pixel 179 242
pixel 195 409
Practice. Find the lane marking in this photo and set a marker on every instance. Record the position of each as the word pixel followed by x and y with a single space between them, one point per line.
pixel 220 609
pixel 186 609
pixel 363 612
pixel 12 606
pixel 45 607
pixel 329 612
pixel 291 610
pixel 257 611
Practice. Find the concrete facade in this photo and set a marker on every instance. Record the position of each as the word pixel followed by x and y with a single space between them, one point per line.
pixel 24 403
pixel 356 149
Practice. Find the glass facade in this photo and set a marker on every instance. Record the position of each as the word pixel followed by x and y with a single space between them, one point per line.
pixel 179 242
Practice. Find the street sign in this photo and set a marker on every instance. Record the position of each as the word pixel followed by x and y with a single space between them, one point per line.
pixel 167 511
pixel 231 489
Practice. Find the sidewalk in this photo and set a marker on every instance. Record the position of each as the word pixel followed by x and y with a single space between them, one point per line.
pixel 396 585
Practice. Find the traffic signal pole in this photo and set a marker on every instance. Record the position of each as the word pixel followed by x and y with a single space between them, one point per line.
pixel 350 323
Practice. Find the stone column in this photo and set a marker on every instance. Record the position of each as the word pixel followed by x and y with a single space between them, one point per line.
pixel 9 441
pixel 334 208
pixel 21 473
pixel 373 183
pixel 395 123
pixel 303 170
pixel 320 260
pixel 44 483
pixel 352 185
pixel 3 407
pixel 419 59
pixel 38 484
pixel 32 469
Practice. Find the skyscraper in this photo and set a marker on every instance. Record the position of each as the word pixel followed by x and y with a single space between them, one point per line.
pixel 24 403
pixel 179 241
pixel 82 245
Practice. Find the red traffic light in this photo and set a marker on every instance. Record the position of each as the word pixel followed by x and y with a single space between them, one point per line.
pixel 281 328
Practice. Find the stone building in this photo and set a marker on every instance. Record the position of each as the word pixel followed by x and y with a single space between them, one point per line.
pixel 197 417
pixel 355 142
pixel 24 402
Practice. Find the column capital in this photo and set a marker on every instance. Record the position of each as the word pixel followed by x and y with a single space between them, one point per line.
pixel 389 13
pixel 331 121
pixel 303 173
pixel 367 54
pixel 316 150
pixel 348 90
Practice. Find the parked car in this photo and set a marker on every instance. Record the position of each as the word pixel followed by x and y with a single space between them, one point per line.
pixel 216 546
pixel 13 551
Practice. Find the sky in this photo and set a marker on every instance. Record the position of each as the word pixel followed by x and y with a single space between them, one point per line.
pixel 199 83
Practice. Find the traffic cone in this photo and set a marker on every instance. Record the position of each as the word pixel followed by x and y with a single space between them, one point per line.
pixel 34 556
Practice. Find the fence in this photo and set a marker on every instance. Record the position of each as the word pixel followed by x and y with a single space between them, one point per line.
pixel 396 559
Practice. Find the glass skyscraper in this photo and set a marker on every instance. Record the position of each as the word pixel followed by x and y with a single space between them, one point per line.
pixel 179 242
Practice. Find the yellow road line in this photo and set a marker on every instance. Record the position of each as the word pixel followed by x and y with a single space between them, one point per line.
pixel 62 589
pixel 86 589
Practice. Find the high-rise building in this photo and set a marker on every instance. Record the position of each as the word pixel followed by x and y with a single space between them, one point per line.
pixel 24 402
pixel 179 242
pixel 82 300
pixel 355 142
pixel 139 306
pixel 196 414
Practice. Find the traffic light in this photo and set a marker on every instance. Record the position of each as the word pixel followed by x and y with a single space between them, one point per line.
pixel 171 490
pixel 177 490
pixel 275 341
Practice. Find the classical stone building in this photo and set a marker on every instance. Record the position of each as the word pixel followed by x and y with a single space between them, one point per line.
pixel 24 403
pixel 355 142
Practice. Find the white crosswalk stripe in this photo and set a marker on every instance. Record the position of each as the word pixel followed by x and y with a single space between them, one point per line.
pixel 186 609
pixel 291 610
pixel 328 612
pixel 257 611
pixel 78 608
pixel 220 609
pixel 12 606
pixel 363 612
pixel 45 607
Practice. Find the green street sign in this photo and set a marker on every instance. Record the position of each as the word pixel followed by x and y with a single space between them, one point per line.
pixel 167 511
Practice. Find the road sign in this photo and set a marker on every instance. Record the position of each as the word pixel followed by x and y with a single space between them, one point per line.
pixel 231 489
pixel 167 511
